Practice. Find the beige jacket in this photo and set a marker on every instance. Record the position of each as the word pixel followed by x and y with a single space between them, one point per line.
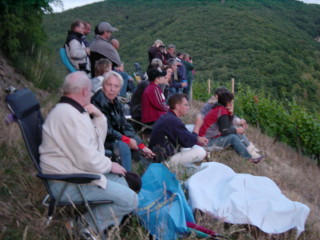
pixel 72 142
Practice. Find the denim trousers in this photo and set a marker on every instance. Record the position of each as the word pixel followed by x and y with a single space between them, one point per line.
pixel 231 140
pixel 124 199
pixel 126 154
pixel 244 139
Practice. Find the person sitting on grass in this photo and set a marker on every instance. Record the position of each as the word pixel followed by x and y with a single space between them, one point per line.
pixel 153 103
pixel 102 66
pixel 121 134
pixel 172 140
pixel 236 122
pixel 217 127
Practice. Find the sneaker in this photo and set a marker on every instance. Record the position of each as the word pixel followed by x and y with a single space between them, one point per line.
pixel 256 160
pixel 88 234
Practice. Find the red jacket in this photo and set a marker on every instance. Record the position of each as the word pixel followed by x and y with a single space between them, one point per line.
pixel 153 103
pixel 217 122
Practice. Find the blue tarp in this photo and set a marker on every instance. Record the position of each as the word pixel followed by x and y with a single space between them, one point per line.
pixel 163 209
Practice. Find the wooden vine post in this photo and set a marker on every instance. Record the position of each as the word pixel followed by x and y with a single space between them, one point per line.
pixel 232 90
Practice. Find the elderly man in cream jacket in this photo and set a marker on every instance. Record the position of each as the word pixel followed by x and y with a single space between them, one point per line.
pixel 73 142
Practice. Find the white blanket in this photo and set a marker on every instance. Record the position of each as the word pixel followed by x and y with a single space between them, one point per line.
pixel 244 199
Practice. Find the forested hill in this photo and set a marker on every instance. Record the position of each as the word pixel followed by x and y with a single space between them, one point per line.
pixel 266 44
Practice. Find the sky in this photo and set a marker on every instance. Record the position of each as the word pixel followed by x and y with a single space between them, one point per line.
pixel 68 4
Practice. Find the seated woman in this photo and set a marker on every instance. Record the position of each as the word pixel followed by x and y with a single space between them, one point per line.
pixel 121 134
pixel 153 103
pixel 101 67
pixel 217 127
pixel 236 122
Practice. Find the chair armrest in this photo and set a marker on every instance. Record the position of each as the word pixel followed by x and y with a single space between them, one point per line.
pixel 80 178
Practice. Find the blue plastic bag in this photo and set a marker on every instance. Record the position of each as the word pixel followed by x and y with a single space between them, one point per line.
pixel 163 209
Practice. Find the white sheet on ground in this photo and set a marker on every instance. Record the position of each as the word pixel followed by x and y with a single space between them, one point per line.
pixel 244 199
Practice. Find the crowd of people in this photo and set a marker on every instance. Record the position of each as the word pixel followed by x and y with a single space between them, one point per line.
pixel 94 120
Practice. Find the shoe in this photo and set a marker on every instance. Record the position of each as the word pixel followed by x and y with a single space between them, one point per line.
pixel 88 234
pixel 252 151
pixel 256 160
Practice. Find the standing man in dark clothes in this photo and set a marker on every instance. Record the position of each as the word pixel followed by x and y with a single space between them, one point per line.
pixel 101 46
pixel 187 62
pixel 76 48
pixel 87 30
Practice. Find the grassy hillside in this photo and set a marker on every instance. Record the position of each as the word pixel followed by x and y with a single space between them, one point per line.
pixel 267 45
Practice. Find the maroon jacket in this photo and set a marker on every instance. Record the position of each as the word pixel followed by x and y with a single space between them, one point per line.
pixel 153 103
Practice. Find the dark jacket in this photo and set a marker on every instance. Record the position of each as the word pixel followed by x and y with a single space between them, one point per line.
pixel 154 52
pixel 189 68
pixel 170 133
pixel 117 122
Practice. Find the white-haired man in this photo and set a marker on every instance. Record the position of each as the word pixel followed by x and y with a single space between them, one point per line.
pixel 73 142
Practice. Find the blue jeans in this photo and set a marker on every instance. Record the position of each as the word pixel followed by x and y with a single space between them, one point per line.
pixel 124 200
pixel 244 139
pixel 126 154
pixel 234 141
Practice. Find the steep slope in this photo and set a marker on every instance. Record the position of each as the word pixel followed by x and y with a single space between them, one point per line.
pixel 23 217
pixel 266 44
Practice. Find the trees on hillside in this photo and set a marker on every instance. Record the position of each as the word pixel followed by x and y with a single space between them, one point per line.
pixel 20 24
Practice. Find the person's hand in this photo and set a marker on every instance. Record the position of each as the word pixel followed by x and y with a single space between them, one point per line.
pixel 240 130
pixel 199 120
pixel 93 110
pixel 203 141
pixel 147 152
pixel 184 84
pixel 230 109
pixel 243 123
pixel 118 169
pixel 88 51
pixel 133 144
pixel 198 123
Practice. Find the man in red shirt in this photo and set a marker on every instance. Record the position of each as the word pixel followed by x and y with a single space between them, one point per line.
pixel 153 103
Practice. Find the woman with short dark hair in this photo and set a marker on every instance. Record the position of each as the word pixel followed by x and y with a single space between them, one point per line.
pixel 217 127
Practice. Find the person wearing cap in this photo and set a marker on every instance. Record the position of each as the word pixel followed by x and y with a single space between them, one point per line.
pixel 101 46
pixel 75 47
pixel 153 103
pixel 171 140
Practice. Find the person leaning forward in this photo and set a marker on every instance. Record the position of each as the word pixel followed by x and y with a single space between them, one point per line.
pixel 171 139
pixel 72 142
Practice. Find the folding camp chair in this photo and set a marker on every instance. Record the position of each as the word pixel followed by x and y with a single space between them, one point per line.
pixel 26 109
pixel 65 59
